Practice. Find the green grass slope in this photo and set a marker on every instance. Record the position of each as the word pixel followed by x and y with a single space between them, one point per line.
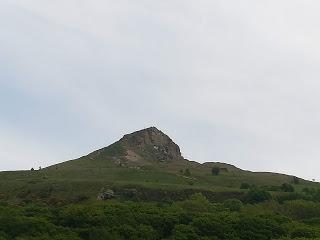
pixel 147 164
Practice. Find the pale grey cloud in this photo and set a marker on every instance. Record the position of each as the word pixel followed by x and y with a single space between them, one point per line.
pixel 233 81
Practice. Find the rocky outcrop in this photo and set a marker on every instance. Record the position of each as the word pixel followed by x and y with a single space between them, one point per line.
pixel 105 194
pixel 152 142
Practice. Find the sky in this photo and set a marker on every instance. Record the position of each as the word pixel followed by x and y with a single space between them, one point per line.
pixel 229 81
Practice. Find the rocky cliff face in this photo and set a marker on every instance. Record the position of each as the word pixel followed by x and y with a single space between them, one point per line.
pixel 151 143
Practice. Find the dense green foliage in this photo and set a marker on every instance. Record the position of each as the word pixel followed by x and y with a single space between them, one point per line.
pixel 194 218
pixel 257 195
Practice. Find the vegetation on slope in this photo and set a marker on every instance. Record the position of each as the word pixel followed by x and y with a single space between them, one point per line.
pixel 194 218
pixel 156 194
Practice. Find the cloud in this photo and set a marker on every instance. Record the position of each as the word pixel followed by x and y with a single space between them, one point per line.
pixel 18 151
pixel 229 81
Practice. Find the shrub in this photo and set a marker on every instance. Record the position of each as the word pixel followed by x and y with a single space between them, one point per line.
pixel 233 204
pixel 211 226
pixel 257 195
pixel 196 203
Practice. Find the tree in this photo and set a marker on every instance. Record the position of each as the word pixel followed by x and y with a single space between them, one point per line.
pixel 184 232
pixel 215 171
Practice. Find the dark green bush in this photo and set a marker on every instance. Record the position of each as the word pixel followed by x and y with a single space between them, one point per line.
pixel 233 204
pixel 257 195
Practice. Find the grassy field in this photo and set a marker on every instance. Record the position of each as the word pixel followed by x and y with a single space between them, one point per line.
pixel 82 178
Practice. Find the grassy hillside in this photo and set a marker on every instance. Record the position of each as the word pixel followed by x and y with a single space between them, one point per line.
pixel 144 162
pixel 150 191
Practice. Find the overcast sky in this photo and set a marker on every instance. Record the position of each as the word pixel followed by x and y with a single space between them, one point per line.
pixel 230 81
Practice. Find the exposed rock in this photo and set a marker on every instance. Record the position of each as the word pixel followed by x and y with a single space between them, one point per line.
pixel 132 156
pixel 105 194
pixel 152 142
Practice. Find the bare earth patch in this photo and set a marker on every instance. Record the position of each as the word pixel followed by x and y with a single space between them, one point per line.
pixel 132 156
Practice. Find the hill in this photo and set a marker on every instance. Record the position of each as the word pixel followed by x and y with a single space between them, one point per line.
pixel 144 165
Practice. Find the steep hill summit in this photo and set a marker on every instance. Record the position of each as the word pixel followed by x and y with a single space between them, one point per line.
pixel 141 148
pixel 151 143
